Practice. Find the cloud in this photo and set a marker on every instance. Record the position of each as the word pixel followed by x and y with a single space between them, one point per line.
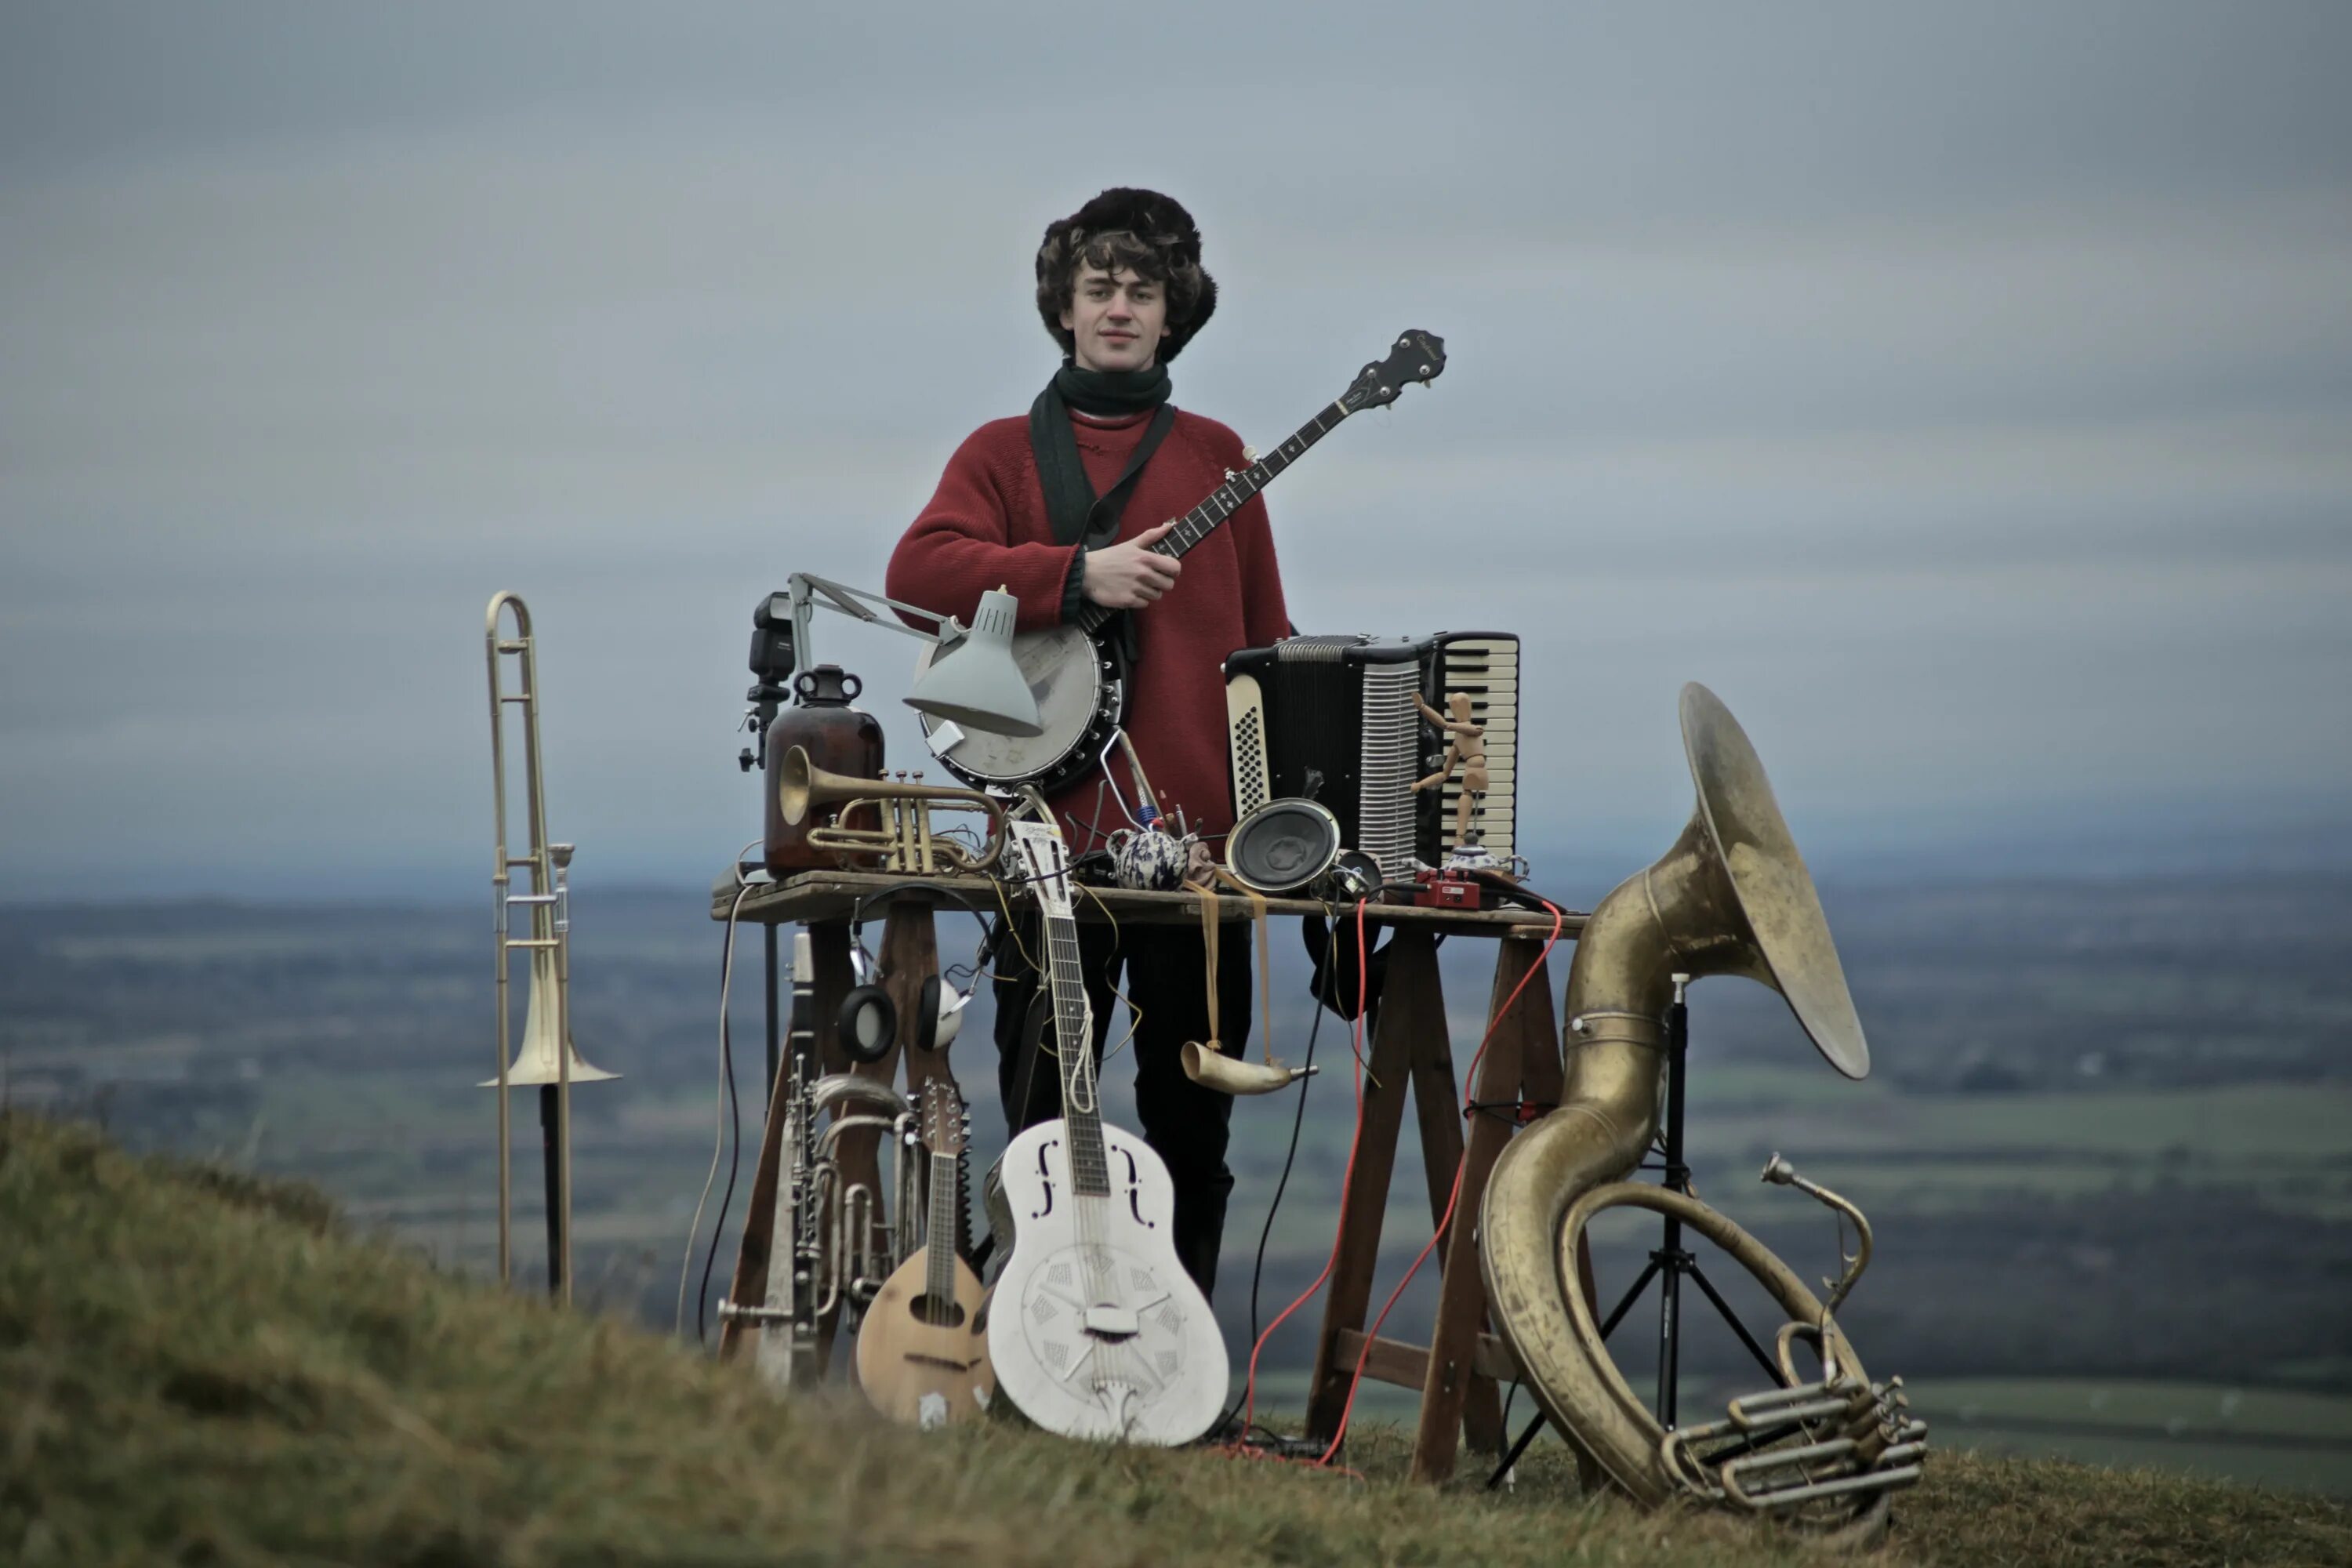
pixel 1965 396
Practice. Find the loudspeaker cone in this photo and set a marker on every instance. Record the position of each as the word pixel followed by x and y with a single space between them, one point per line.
pixel 1283 846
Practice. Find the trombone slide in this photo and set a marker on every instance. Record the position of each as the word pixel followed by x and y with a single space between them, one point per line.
pixel 546 1058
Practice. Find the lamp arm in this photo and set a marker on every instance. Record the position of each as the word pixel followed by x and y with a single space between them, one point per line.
pixel 807 592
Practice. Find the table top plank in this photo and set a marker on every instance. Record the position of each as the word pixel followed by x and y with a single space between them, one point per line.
pixel 812 896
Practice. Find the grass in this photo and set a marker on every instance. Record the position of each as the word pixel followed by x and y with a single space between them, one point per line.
pixel 197 1366
pixel 2274 1436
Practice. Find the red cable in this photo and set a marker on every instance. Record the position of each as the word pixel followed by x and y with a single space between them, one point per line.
pixel 1356 1137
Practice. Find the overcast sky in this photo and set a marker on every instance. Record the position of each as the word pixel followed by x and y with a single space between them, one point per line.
pixel 1963 393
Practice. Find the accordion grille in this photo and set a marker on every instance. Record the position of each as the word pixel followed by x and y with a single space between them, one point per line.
pixel 1391 737
pixel 1248 737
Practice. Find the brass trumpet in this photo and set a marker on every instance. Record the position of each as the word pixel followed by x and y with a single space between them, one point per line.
pixel 905 842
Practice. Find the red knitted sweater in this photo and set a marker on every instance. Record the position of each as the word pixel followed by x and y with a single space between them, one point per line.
pixel 986 526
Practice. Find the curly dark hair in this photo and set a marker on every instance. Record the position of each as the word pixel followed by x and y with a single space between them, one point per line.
pixel 1123 228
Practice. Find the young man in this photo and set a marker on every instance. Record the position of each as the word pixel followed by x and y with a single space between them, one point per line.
pixel 1036 503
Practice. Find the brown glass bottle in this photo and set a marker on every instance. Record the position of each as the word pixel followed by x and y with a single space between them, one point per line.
pixel 839 739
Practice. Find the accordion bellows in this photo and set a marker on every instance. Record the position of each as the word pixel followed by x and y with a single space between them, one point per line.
pixel 1331 718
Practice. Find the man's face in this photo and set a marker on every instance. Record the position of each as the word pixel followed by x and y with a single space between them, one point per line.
pixel 1116 317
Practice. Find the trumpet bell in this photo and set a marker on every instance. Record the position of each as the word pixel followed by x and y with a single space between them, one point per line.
pixel 535 1062
pixel 794 781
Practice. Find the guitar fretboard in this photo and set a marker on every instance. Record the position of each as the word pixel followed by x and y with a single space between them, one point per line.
pixel 1081 1112
pixel 1228 498
pixel 939 1253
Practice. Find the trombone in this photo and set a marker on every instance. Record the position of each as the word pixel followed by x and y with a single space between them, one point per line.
pixel 546 1058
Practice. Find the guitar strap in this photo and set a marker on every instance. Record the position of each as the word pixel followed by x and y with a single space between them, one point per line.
pixel 1210 924
pixel 1072 510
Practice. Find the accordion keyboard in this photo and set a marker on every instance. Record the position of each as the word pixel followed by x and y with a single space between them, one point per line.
pixel 1487 668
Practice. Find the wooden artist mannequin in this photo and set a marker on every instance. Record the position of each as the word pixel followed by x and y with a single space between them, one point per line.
pixel 1465 748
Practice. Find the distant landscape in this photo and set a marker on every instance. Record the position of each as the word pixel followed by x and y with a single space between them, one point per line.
pixel 2106 1147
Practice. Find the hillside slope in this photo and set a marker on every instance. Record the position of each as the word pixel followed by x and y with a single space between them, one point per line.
pixel 195 1366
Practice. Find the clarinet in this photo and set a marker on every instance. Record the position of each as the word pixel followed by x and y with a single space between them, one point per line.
pixel 806 1301
pixel 794 1301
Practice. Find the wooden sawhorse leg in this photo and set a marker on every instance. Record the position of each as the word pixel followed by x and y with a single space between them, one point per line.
pixel 1458 1375
pixel 1409 1047
pixel 1521 1066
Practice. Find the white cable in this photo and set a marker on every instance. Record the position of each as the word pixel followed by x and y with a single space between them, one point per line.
pixel 719 1132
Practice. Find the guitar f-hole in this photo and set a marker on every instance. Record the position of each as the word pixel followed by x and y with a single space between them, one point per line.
pixel 1046 1174
pixel 1135 1190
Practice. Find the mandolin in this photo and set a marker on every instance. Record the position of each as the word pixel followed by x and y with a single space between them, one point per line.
pixel 922 1352
pixel 1075 670
pixel 1093 1327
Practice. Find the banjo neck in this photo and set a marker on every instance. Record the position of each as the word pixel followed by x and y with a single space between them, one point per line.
pixel 1228 498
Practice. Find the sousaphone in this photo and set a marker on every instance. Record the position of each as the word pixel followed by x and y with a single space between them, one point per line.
pixel 1731 897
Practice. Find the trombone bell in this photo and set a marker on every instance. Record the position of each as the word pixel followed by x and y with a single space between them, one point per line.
pixel 535 1062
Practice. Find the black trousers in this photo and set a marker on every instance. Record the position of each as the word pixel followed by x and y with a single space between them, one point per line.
pixel 1163 969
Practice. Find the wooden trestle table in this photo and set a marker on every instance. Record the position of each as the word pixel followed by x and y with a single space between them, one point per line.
pixel 1459 1370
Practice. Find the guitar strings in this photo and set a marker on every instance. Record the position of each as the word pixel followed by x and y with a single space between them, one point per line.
pixel 1119 1376
pixel 1073 1064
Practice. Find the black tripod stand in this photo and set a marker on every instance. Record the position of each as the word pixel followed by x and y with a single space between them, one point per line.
pixel 1669 1262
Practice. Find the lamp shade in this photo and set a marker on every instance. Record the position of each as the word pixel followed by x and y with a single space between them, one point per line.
pixel 973 681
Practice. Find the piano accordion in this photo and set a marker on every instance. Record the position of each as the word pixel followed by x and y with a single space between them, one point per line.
pixel 1332 718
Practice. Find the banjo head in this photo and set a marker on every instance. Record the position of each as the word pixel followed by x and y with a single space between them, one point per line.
pixel 1079 697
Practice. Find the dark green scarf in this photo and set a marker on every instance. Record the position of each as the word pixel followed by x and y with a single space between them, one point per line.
pixel 1075 513
pixel 1108 394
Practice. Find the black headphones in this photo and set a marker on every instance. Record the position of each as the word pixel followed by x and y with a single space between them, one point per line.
pixel 868 1024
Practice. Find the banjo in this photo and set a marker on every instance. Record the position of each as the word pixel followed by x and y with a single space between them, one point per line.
pixel 1075 671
